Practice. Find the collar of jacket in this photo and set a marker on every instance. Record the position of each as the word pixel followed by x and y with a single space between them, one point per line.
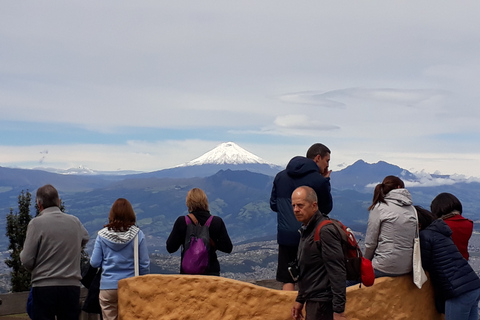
pixel 201 213
pixel 317 216
pixel 451 214
pixel 50 210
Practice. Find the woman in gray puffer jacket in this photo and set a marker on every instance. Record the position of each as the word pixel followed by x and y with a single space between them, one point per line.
pixel 391 229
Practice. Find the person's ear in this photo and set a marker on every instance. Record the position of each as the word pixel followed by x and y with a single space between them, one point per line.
pixel 40 207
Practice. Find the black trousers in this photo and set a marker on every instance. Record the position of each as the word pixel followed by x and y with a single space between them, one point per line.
pixel 318 310
pixel 60 301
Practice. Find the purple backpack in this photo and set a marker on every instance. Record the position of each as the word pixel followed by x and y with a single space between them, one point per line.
pixel 196 246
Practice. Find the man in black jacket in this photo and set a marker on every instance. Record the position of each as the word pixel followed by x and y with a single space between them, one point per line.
pixel 311 171
pixel 321 264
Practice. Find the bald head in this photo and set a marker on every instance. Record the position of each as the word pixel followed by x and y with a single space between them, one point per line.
pixel 304 203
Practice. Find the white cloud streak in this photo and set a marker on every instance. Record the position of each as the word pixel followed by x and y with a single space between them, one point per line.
pixel 397 81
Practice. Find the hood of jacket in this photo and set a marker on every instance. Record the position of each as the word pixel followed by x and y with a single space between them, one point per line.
pixel 400 197
pixel 440 226
pixel 301 166
pixel 117 240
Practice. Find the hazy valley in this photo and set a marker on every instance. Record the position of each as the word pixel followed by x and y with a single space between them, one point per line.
pixel 238 186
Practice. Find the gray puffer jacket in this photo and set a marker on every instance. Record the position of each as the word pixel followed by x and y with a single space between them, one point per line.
pixel 391 232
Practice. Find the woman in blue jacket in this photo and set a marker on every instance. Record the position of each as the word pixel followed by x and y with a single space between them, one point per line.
pixel 114 252
pixel 456 285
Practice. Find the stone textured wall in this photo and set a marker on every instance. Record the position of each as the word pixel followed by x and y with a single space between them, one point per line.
pixel 199 297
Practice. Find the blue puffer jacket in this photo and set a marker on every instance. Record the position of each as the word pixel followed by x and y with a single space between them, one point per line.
pixel 300 171
pixel 450 273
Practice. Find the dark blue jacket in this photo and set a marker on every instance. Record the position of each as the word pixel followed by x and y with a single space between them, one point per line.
pixel 450 273
pixel 300 171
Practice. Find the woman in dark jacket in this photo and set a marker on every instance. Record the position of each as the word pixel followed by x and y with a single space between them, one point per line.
pixel 197 204
pixel 447 207
pixel 456 285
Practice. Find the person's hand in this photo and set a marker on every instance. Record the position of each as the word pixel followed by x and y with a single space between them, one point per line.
pixel 339 316
pixel 326 173
pixel 297 311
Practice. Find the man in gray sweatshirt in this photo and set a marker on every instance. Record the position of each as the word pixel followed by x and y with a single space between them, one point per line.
pixel 52 251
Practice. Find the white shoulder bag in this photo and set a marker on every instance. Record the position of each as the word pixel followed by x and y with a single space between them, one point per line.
pixel 135 255
pixel 419 276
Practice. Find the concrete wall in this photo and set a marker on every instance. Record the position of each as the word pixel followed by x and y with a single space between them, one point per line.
pixel 16 303
pixel 199 297
pixel 13 303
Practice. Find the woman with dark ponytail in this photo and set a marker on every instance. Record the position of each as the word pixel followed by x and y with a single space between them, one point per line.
pixel 391 229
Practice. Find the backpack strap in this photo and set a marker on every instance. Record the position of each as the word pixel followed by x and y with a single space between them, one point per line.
pixel 316 236
pixel 209 221
pixel 190 218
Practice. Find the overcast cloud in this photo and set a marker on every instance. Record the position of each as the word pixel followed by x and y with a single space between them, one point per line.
pixel 148 85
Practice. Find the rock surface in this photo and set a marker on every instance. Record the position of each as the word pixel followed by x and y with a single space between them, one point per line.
pixel 200 297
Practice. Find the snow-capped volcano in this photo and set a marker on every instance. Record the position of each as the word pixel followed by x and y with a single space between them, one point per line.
pixel 226 153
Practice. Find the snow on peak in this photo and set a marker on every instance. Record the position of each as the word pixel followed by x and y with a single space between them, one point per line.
pixel 226 153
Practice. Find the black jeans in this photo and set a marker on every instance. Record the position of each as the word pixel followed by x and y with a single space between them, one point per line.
pixel 60 301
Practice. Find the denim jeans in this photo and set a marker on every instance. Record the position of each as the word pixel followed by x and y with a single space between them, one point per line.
pixel 464 307
pixel 379 274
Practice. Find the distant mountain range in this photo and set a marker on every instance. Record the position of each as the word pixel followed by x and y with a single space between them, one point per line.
pixel 238 185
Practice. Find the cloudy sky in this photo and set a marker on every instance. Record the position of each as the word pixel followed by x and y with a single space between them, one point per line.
pixel 147 85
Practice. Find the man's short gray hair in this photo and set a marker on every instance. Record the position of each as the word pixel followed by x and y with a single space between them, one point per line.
pixel 47 196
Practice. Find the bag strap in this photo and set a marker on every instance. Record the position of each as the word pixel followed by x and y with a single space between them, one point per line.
pixel 209 221
pixel 135 255
pixel 192 219
pixel 340 231
pixel 316 236
pixel 417 231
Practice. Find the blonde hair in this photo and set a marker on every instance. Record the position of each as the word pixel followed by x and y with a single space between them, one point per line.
pixel 196 200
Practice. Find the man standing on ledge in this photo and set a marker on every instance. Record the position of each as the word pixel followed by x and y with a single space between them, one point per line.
pixel 321 265
pixel 309 171
pixel 52 251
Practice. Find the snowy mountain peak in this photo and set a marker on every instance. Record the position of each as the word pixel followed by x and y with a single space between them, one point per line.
pixel 226 153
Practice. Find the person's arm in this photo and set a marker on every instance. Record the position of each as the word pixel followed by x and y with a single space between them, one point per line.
pixel 373 230
pixel 143 255
pixel 273 198
pixel 426 251
pixel 334 260
pixel 85 236
pixel 97 254
pixel 324 195
pixel 177 236
pixel 222 241
pixel 28 255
